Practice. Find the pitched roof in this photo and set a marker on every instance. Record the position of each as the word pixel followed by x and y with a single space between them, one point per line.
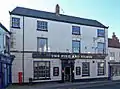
pixel 52 16
pixel 3 27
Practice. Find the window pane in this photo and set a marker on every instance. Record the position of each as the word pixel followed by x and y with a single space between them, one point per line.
pixel 101 33
pixel 42 25
pixel 76 30
pixel 101 47
pixel 15 22
pixel 42 44
pixel 76 46
pixel 41 69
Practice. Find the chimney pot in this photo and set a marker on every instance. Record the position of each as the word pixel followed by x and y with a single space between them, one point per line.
pixel 57 9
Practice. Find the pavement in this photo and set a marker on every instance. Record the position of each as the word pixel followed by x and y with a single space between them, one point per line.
pixel 69 85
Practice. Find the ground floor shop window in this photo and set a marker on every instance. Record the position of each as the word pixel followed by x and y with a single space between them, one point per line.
pixel 85 69
pixel 117 71
pixel 101 68
pixel 41 69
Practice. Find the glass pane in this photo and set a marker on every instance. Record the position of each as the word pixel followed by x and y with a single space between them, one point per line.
pixel 101 32
pixel 76 46
pixel 42 44
pixel 101 45
pixel 16 22
pixel 42 25
pixel 42 70
pixel 75 30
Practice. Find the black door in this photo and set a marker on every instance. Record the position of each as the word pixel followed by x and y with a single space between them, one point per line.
pixel 67 73
pixel 67 70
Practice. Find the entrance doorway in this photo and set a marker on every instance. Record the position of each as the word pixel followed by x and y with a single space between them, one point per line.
pixel 67 70
pixel 67 74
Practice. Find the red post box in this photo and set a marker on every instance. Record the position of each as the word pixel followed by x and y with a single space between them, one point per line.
pixel 20 77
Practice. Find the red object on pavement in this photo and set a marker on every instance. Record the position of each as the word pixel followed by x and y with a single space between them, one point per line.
pixel 20 77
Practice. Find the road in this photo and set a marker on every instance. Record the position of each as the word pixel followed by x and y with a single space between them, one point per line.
pixel 102 86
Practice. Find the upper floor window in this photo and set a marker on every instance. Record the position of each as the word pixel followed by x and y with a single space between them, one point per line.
pixel 42 44
pixel 101 47
pixel 76 30
pixel 15 22
pixel 42 26
pixel 100 33
pixel 75 46
pixel 112 54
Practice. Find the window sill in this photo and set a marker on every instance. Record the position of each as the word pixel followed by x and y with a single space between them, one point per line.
pixel 76 34
pixel 15 27
pixel 85 75
pixel 100 74
pixel 42 30
pixel 42 79
pixel 101 36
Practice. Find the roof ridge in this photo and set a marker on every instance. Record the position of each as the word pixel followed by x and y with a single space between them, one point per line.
pixel 54 13
pixel 23 11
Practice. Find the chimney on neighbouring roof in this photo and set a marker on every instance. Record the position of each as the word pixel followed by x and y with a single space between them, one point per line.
pixel 57 9
pixel 114 37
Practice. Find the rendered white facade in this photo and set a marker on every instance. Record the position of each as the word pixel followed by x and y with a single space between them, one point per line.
pixel 114 57
pixel 60 38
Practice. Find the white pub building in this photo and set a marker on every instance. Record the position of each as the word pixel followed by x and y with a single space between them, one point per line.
pixel 55 47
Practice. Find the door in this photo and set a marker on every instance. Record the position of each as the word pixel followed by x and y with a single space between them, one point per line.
pixel 67 74
pixel 110 74
pixel 67 70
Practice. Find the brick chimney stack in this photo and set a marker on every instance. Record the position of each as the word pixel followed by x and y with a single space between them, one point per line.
pixel 114 37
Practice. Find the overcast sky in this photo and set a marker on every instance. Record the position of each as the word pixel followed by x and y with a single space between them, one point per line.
pixel 105 11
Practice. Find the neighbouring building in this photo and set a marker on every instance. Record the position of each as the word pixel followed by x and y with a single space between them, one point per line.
pixel 55 47
pixel 5 58
pixel 114 57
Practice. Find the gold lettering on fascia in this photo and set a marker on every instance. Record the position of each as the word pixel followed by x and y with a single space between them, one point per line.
pixel 64 56
pixel 55 55
pixel 83 56
pixel 75 56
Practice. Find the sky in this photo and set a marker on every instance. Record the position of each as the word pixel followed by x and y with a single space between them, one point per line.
pixel 105 11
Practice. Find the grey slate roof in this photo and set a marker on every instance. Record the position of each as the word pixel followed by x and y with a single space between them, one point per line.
pixel 52 16
pixel 4 28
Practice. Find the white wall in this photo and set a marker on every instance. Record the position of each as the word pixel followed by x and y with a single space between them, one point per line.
pixel 59 39
pixel 117 54
pixel 59 35
pixel 16 67
pixel 93 68
pixel 17 34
